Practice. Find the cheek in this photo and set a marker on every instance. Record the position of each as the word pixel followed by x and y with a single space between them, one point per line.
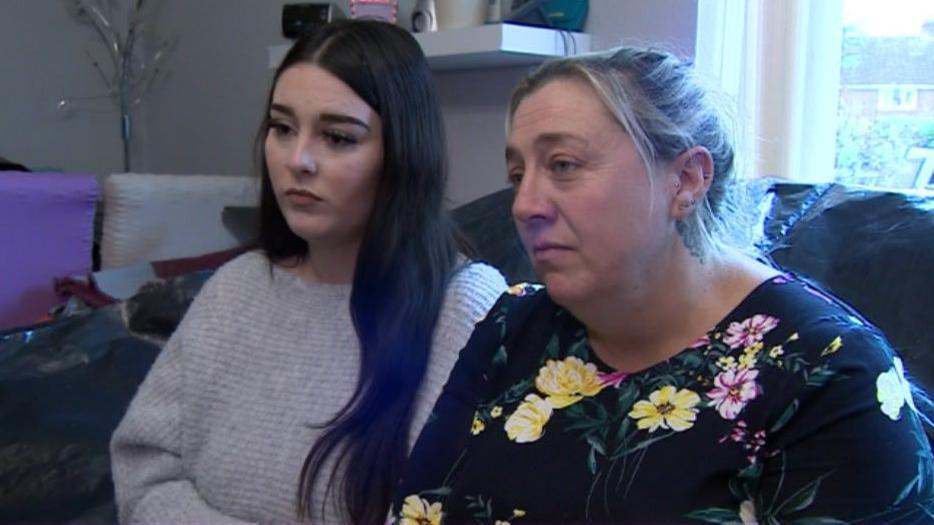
pixel 274 162
pixel 360 189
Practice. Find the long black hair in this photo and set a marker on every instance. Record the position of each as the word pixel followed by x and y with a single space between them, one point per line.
pixel 405 260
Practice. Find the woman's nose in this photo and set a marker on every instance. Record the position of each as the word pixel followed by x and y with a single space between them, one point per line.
pixel 302 159
pixel 532 203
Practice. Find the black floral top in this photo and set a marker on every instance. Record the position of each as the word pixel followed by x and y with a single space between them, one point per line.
pixel 791 410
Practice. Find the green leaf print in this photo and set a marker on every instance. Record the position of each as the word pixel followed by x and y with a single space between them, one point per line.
pixel 801 499
pixel 786 415
pixel 592 461
pixel 715 515
pixel 553 348
pixel 499 359
pixel 482 507
pixel 628 395
pixel 440 491
pixel 820 376
pixel 819 521
pixel 579 348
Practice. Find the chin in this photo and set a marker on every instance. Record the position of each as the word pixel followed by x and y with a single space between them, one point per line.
pixel 309 230
pixel 564 289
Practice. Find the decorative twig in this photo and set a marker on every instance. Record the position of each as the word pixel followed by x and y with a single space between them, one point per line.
pixel 130 76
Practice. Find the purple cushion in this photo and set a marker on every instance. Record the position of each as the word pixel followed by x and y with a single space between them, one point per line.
pixel 46 231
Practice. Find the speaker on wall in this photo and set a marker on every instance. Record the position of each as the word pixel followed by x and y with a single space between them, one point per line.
pixel 423 17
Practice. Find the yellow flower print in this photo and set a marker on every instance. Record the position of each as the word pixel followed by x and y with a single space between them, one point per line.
pixel 832 348
pixel 747 361
pixel 518 513
pixel 747 512
pixel 567 382
pixel 793 337
pixel 527 423
pixel 667 408
pixel 496 412
pixel 753 349
pixel 417 511
pixel 501 522
pixel 776 352
pixel 522 289
pixel 727 363
pixel 477 426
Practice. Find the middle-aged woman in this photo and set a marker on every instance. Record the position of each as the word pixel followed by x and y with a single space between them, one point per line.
pixel 301 374
pixel 659 376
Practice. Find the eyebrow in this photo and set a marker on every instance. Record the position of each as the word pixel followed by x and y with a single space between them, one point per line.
pixel 545 140
pixel 334 118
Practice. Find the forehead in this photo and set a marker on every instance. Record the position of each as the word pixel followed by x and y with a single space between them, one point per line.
pixel 562 106
pixel 310 87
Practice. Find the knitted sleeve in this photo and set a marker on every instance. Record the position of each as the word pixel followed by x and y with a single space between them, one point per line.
pixel 150 481
pixel 471 293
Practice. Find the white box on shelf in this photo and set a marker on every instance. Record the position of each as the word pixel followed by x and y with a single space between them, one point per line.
pixel 494 45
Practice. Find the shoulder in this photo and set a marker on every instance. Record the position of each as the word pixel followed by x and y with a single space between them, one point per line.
pixel 822 326
pixel 246 267
pixel 475 278
pixel 244 278
pixel 518 302
pixel 512 313
pixel 471 291
pixel 816 356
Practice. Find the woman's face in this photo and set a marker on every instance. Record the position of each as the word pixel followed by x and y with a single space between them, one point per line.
pixel 324 153
pixel 584 204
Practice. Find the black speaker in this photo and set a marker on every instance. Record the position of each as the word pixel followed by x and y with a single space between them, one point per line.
pixel 299 20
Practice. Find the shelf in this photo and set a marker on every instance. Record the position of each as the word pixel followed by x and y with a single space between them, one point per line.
pixel 488 46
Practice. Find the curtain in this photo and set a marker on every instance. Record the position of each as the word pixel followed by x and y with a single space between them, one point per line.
pixel 777 65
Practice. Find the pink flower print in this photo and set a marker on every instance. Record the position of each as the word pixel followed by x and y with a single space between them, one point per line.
pixel 701 342
pixel 817 293
pixel 613 379
pixel 734 389
pixel 749 331
pixel 738 434
pixel 754 445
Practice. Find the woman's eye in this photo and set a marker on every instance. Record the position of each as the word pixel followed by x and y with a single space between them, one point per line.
pixel 514 178
pixel 279 129
pixel 339 139
pixel 563 166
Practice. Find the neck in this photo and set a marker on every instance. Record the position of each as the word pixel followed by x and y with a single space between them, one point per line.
pixel 330 264
pixel 653 316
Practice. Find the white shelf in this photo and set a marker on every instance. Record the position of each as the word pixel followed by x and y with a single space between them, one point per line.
pixel 495 45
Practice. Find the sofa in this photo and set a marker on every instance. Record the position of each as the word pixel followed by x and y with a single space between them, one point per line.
pixel 64 384
pixel 58 225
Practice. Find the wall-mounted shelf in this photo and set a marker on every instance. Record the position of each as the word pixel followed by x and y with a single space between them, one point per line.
pixel 495 45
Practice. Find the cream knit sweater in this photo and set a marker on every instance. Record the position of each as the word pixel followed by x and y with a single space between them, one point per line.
pixel 218 431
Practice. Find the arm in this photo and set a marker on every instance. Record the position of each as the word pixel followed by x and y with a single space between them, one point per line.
pixel 853 447
pixel 150 481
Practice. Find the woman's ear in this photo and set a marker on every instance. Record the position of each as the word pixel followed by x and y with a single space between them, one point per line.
pixel 693 173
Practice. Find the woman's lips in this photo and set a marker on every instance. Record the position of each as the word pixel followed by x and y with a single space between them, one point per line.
pixel 300 197
pixel 546 251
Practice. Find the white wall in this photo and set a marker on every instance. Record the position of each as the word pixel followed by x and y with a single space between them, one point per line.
pixel 475 101
pixel 42 60
pixel 669 23
pixel 203 115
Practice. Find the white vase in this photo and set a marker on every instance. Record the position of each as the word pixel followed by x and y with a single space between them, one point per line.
pixel 454 14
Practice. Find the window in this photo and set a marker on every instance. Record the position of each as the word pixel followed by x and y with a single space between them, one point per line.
pixel 885 129
pixel 826 90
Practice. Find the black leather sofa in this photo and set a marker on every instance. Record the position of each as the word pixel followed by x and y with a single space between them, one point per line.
pixel 65 384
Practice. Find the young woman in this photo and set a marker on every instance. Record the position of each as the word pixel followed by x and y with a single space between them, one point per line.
pixel 298 379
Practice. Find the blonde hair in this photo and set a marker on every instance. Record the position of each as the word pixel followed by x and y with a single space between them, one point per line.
pixel 660 103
